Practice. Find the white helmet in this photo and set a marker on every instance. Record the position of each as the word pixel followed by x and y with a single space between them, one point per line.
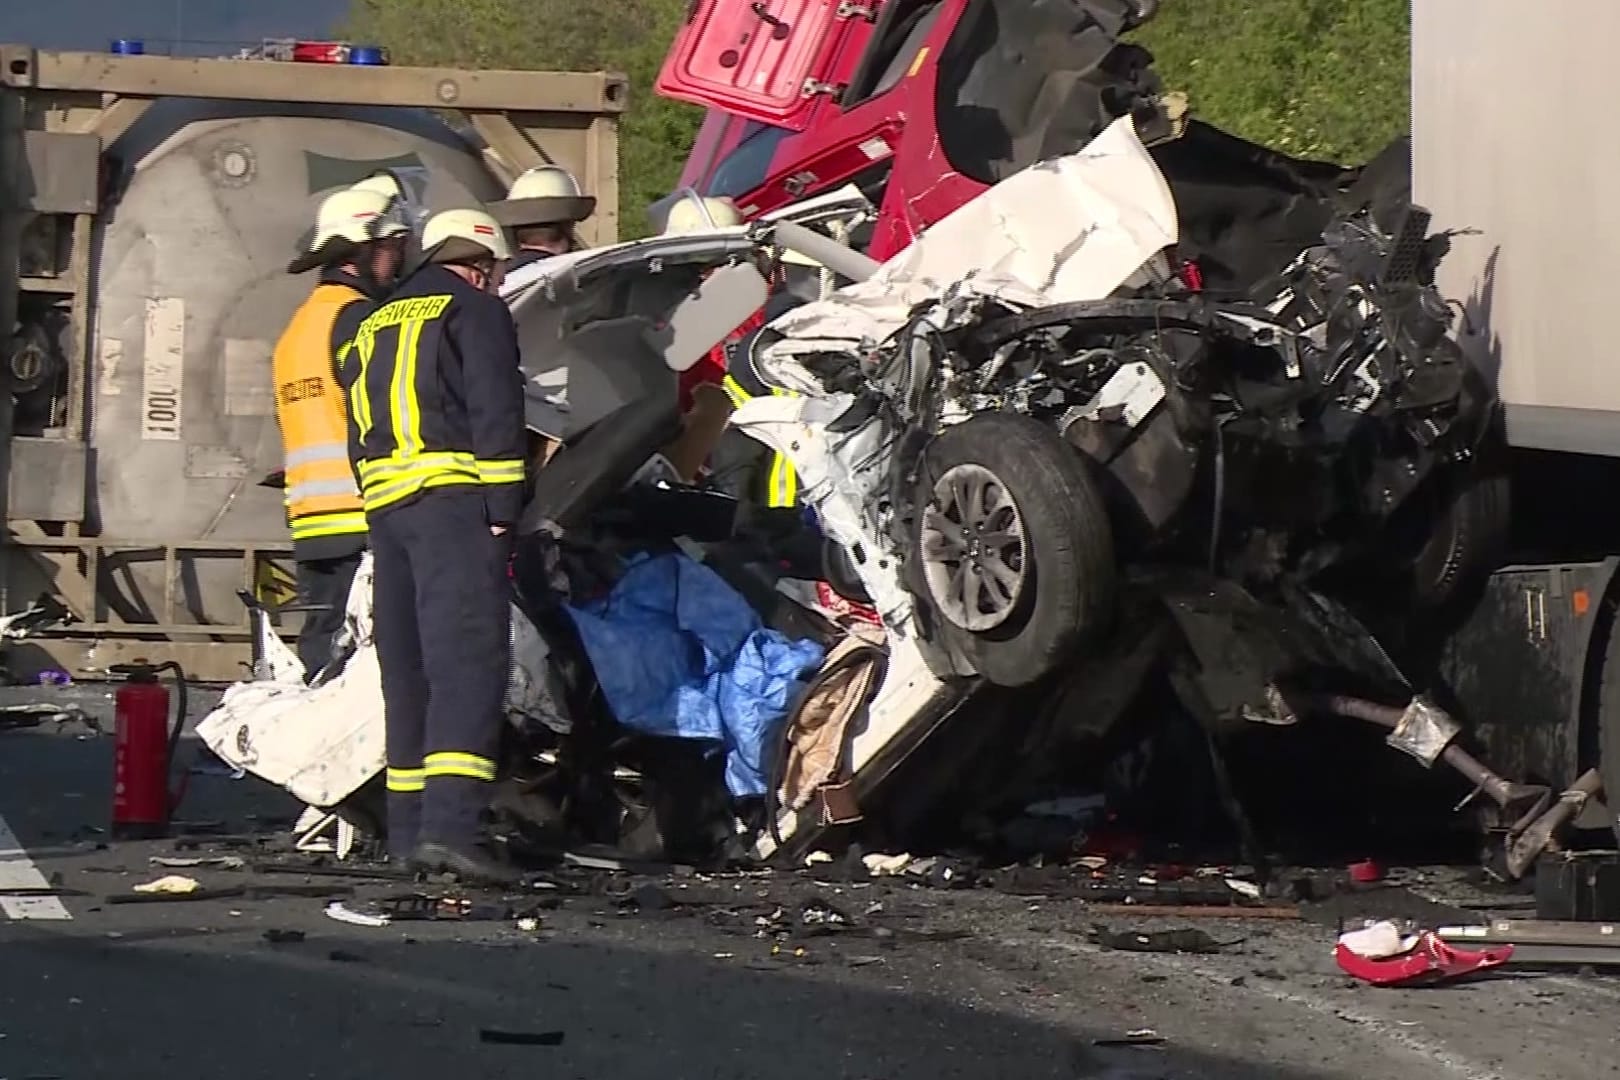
pixel 453 236
pixel 544 195
pixel 690 215
pixel 385 183
pixel 546 182
pixel 346 219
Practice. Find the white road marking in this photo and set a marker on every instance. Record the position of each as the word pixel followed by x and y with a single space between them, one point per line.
pixel 17 871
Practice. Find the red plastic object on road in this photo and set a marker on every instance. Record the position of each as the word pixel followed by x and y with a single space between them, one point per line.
pixel 1366 872
pixel 143 751
pixel 1430 961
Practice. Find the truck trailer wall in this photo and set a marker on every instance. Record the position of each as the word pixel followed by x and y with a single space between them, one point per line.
pixel 1512 135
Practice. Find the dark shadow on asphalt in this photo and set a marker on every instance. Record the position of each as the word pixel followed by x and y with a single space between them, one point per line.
pixel 78 1007
pixel 56 794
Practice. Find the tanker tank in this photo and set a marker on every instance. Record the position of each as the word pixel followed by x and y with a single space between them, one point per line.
pixel 213 199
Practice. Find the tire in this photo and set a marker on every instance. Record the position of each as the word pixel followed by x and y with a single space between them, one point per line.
pixel 1052 532
pixel 1466 541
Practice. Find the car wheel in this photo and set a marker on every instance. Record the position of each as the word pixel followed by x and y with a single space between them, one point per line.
pixel 1015 555
pixel 1466 540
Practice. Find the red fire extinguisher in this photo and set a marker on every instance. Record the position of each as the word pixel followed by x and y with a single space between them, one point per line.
pixel 143 750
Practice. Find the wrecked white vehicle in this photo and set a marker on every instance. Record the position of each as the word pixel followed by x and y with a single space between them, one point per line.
pixel 1033 446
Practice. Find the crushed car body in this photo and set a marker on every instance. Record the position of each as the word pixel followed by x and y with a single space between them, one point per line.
pixel 1019 434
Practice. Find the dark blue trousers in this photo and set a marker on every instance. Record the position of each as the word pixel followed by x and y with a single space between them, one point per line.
pixel 440 605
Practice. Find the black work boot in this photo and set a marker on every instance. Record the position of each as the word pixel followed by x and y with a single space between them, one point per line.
pixel 471 865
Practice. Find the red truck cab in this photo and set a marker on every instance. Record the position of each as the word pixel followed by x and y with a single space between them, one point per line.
pixel 923 103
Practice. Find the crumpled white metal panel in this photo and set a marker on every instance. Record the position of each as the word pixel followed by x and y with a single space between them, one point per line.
pixel 1069 229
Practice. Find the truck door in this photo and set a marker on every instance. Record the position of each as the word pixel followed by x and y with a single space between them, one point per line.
pixel 767 60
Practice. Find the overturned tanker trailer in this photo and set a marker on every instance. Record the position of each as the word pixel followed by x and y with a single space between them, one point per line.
pixel 148 206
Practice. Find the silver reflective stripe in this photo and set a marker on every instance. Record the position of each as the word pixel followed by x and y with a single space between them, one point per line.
pixel 316 488
pixel 305 455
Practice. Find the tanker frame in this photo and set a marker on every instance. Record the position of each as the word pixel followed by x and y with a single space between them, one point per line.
pixel 148 206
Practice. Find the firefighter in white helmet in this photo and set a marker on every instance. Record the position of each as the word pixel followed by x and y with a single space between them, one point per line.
pixel 438 443
pixel 541 209
pixel 357 243
pixel 773 482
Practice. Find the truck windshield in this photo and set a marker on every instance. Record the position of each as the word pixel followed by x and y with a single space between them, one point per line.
pixel 746 167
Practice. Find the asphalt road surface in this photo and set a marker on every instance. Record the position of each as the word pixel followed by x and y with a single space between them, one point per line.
pixel 928 984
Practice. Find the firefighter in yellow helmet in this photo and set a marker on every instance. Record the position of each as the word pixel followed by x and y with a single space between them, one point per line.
pixel 357 243
pixel 542 209
pixel 438 442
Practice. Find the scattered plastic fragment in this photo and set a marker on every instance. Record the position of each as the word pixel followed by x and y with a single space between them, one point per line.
pixel 1366 872
pixel 214 862
pixel 886 865
pixel 1139 1037
pixel 345 914
pixel 1244 888
pixel 172 885
pixel 1423 959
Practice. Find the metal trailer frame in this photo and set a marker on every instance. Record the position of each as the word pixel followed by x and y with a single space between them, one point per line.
pixel 58 112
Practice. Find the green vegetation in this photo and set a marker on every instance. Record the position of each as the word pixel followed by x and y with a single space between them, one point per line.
pixel 630 36
pixel 1315 78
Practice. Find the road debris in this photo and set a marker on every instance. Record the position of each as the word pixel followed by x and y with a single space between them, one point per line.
pixel 1185 940
pixel 520 1038
pixel 171 885
pixel 1189 911
pixel 284 937
pixel 1384 955
pixel 212 862
pixel 37 714
pixel 1139 1037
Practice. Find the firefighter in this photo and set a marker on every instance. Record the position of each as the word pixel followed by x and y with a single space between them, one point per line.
pixel 542 209
pixel 740 462
pixel 358 243
pixel 437 437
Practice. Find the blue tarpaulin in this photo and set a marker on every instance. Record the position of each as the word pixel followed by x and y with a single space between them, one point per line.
pixel 677 652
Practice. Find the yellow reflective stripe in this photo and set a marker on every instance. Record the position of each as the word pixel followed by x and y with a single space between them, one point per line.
pixel 395 465
pixel 412 442
pixel 501 471
pixel 783 482
pixel 734 390
pixel 406 779
pixel 359 404
pixel 453 763
pixel 309 526
pixel 398 405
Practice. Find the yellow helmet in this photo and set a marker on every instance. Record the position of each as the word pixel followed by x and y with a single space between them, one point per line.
pixel 458 235
pixel 347 219
pixel 690 215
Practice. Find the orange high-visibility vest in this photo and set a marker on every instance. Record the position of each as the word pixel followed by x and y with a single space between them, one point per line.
pixel 322 497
